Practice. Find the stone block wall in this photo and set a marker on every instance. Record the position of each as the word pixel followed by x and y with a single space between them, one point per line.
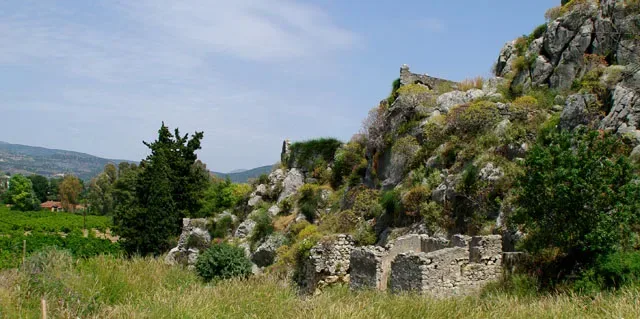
pixel 406 77
pixel 424 264
pixel 328 263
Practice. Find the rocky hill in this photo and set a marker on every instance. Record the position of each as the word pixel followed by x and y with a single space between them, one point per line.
pixel 23 159
pixel 244 176
pixel 438 161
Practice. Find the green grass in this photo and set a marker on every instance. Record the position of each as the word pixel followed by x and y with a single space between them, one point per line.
pixel 46 221
pixel 110 287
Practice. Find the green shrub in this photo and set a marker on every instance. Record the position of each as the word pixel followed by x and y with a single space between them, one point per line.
pixel 306 154
pixel 394 92
pixel 222 227
pixel 391 203
pixel 538 32
pixel 309 200
pixel 366 203
pixel 344 221
pixel 263 227
pixel 364 234
pixel 286 206
pixel 347 161
pixel 432 214
pixel 413 199
pixel 475 118
pixel 578 195
pixel 223 261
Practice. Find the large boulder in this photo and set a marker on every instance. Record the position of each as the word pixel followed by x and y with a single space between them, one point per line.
pixel 505 59
pixel 245 228
pixel 293 180
pixel 448 100
pixel 576 111
pixel 266 253
pixel 193 239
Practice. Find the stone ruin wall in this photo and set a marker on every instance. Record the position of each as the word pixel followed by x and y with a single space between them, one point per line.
pixel 406 77
pixel 328 263
pixel 423 264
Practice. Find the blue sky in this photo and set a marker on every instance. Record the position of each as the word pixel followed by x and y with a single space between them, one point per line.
pixel 100 76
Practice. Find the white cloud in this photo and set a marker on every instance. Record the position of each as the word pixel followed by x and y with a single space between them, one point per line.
pixel 145 61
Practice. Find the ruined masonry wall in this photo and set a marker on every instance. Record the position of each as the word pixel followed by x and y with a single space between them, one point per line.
pixel 429 265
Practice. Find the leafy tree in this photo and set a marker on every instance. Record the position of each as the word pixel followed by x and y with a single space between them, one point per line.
pixel 152 219
pixel 578 196
pixel 221 195
pixel 101 199
pixel 53 192
pixel 69 190
pixel 40 186
pixel 21 194
pixel 168 186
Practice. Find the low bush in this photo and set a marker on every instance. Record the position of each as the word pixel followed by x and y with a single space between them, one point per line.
pixel 222 227
pixel 473 119
pixel 364 234
pixel 223 261
pixel 263 228
pixel 309 200
pixel 305 154
pixel 344 221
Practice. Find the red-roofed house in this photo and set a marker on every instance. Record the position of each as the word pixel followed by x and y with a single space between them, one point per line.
pixel 52 206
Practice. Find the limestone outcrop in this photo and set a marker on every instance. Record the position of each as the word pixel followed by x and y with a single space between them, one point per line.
pixel 193 239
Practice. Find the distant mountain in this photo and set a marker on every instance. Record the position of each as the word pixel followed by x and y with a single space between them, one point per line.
pixel 238 171
pixel 23 159
pixel 244 175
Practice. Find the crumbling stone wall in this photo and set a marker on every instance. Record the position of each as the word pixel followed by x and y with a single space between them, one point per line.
pixel 406 77
pixel 449 271
pixel 426 264
pixel 328 263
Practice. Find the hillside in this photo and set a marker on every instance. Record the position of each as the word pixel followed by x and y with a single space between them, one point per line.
pixel 243 176
pixel 24 159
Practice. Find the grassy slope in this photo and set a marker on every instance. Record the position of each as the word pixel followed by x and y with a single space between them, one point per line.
pixel 110 287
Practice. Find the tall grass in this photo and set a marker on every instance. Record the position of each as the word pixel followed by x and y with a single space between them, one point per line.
pixel 110 287
pixel 468 84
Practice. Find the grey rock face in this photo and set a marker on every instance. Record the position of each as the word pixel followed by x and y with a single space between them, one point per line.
pixel 255 200
pixel 293 180
pixel 448 100
pixel 274 210
pixel 265 254
pixel 193 239
pixel 224 214
pixel 446 190
pixel 624 116
pixel 572 58
pixel 505 59
pixel 575 111
pixel 261 190
pixel 491 173
pixel 245 228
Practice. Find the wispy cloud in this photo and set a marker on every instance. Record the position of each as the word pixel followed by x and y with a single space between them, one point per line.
pixel 195 63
